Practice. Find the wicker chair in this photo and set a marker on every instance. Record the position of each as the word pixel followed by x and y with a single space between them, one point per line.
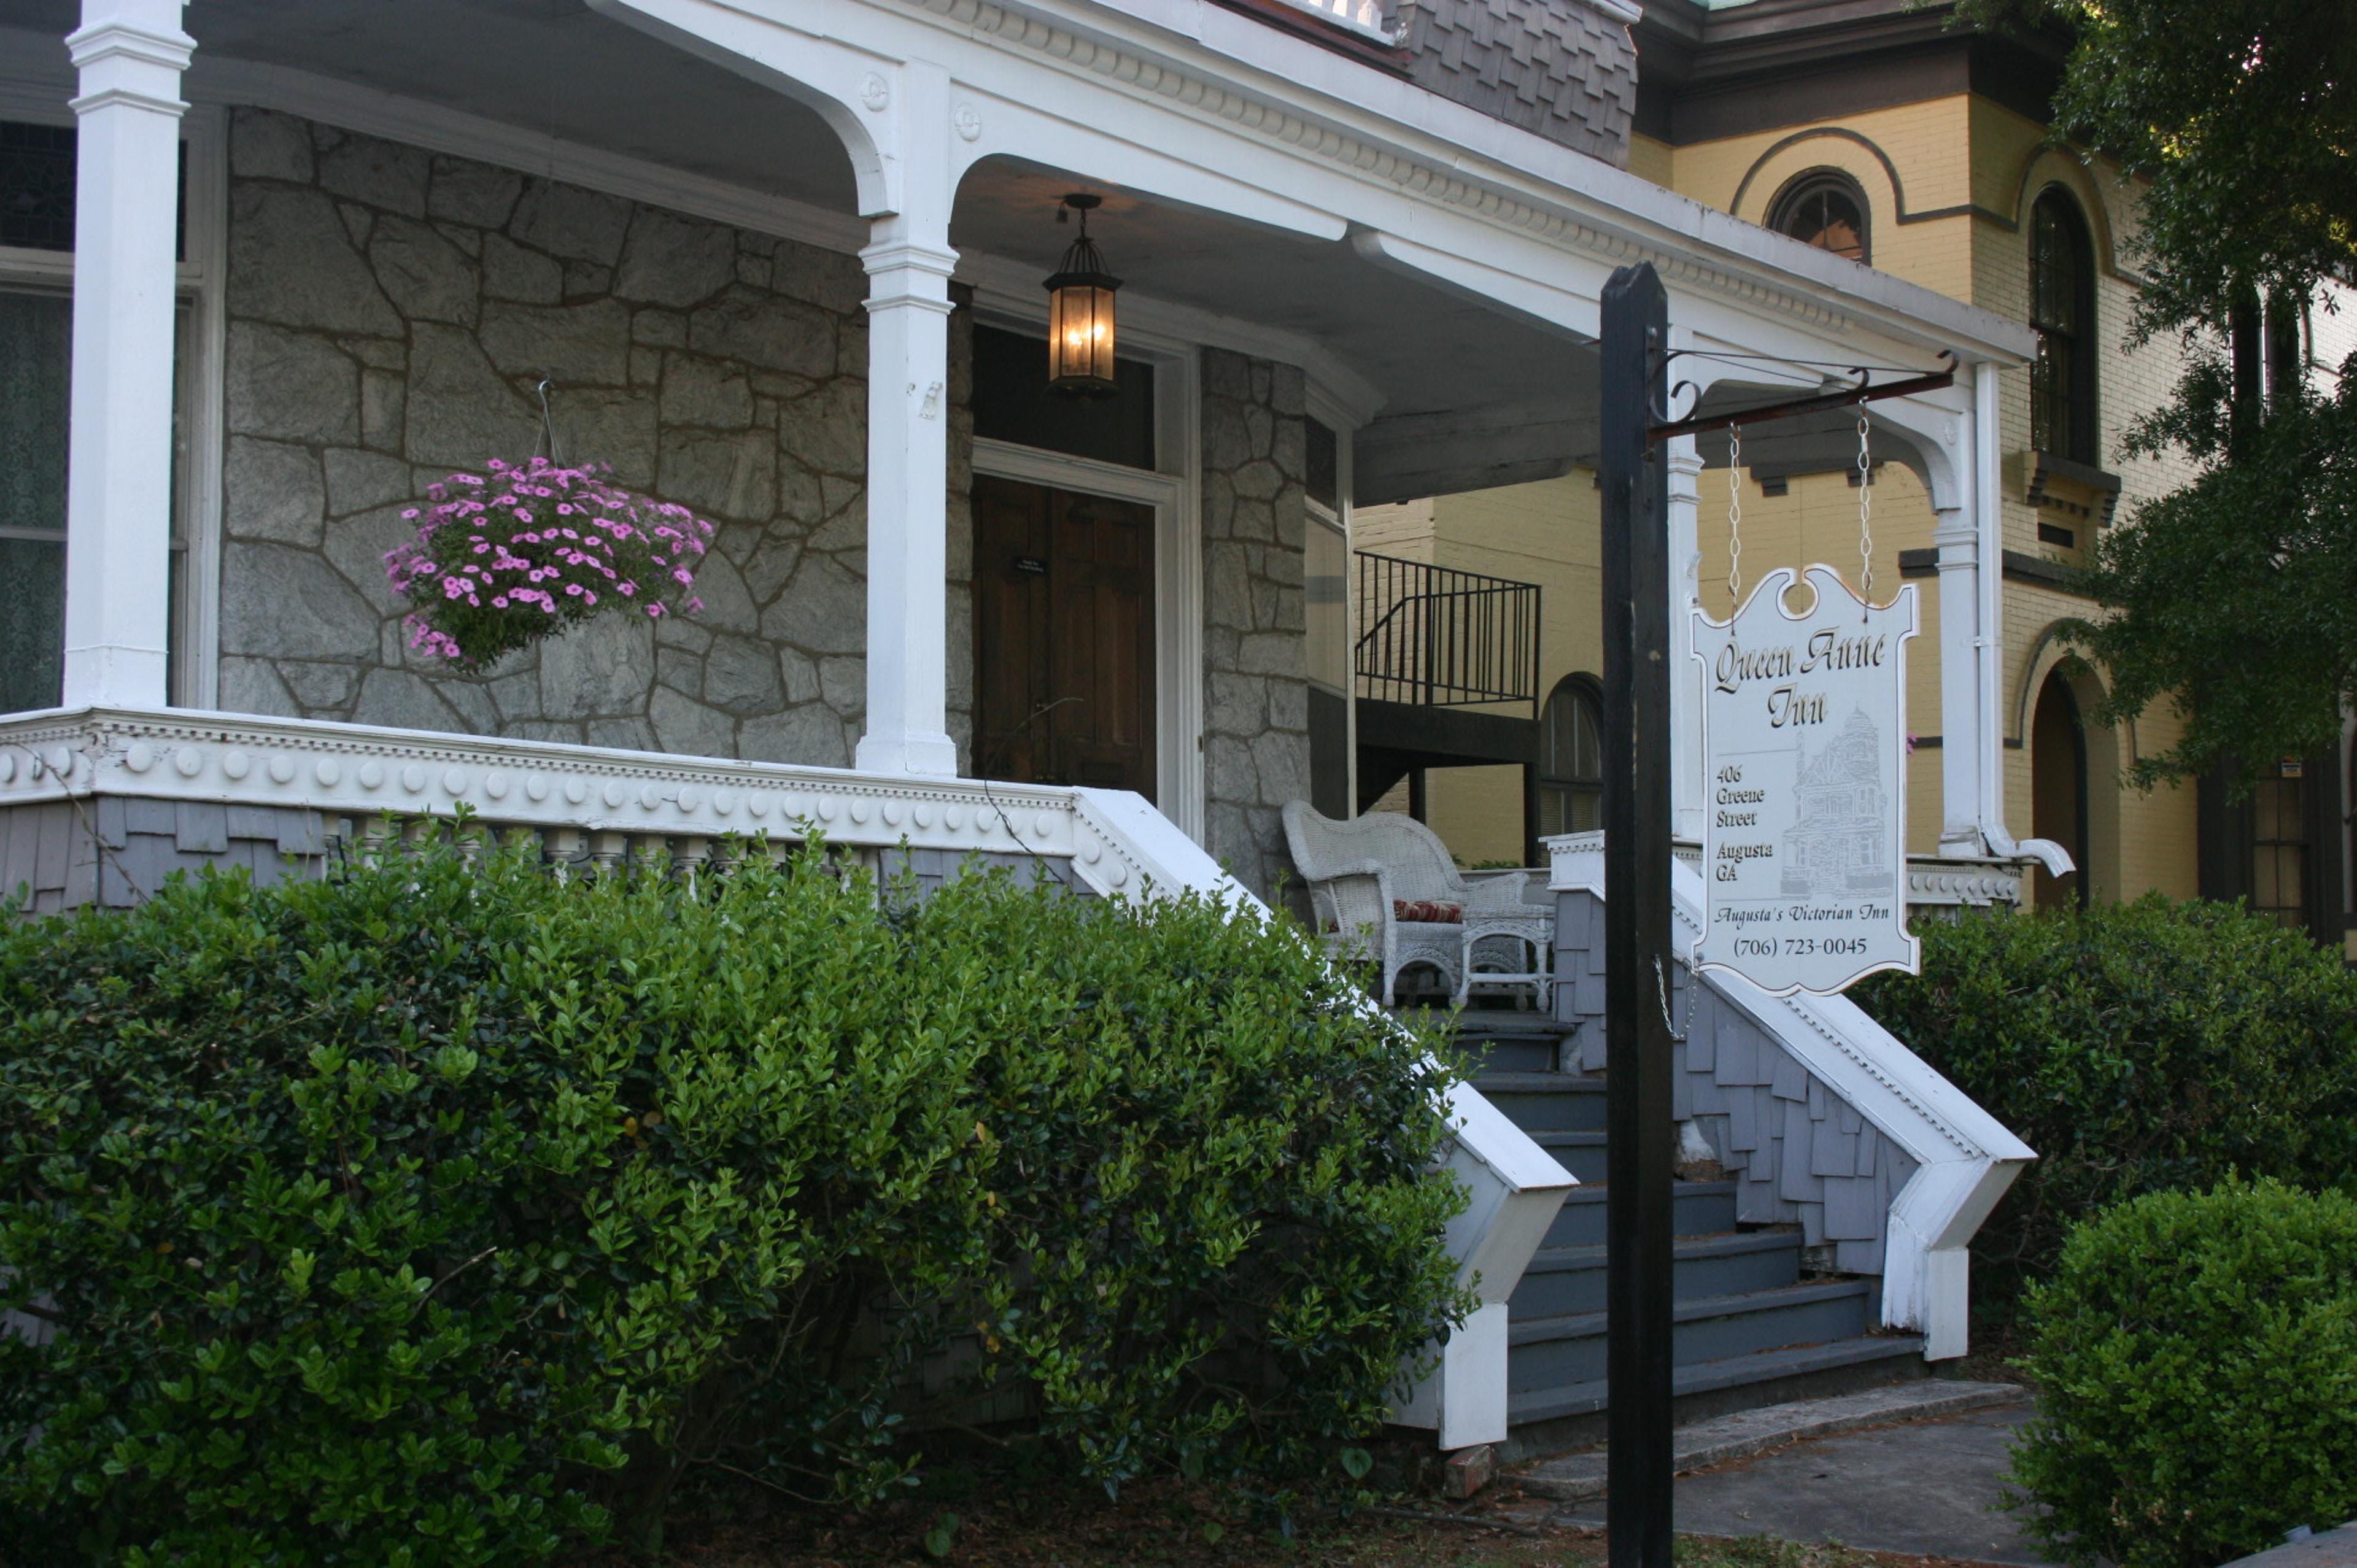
pixel 1381 887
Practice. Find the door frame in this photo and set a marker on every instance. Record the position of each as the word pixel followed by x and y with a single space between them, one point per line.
pixel 1172 490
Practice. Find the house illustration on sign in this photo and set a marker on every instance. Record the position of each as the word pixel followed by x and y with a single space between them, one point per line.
pixel 1840 839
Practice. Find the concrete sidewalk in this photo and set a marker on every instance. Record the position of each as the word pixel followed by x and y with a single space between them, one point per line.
pixel 1927 1488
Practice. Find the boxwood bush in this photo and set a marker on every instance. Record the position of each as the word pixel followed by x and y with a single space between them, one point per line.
pixel 2196 1359
pixel 2136 1047
pixel 442 1210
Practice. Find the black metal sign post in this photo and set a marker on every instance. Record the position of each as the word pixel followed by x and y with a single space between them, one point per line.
pixel 1634 349
pixel 1641 1138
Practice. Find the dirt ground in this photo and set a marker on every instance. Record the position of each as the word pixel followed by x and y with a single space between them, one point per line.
pixel 1170 1525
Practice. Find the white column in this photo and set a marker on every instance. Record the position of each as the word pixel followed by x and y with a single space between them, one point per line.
pixel 1956 535
pixel 1685 680
pixel 119 453
pixel 1987 507
pixel 909 266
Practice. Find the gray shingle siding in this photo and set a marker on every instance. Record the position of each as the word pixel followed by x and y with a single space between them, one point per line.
pixel 1560 68
pixel 1799 1154
pixel 113 851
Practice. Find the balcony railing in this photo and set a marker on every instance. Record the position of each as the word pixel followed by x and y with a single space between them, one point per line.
pixel 1441 638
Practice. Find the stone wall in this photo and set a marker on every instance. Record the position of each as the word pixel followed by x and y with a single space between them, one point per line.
pixel 1255 645
pixel 389 312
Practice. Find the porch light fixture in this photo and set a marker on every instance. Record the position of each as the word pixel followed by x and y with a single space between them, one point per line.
pixel 1079 313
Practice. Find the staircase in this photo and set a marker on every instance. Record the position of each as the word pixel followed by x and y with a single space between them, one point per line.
pixel 1752 1326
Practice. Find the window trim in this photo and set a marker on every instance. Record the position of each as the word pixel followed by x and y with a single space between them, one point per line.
pixel 1784 206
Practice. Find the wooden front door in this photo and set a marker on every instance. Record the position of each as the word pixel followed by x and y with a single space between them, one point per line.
pixel 1063 632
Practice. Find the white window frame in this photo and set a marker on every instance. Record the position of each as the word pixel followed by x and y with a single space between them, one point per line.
pixel 43 98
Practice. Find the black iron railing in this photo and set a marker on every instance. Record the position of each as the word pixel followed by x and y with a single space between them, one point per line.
pixel 1443 638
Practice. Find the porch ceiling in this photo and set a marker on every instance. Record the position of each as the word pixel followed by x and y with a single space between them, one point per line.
pixel 552 67
pixel 1466 395
pixel 1469 394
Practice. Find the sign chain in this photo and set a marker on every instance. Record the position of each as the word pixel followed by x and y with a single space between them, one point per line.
pixel 1865 508
pixel 1734 514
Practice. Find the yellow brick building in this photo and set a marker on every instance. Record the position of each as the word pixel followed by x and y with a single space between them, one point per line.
pixel 1876 130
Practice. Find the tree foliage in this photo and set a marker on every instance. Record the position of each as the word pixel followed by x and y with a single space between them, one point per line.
pixel 2234 599
pixel 2230 599
pixel 2239 117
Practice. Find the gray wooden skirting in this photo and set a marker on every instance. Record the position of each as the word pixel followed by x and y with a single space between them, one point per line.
pixel 115 850
pixel 1798 1152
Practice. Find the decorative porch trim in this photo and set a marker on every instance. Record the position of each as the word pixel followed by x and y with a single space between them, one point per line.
pixel 1446 183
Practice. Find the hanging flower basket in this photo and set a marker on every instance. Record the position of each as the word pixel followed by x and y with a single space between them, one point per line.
pixel 502 561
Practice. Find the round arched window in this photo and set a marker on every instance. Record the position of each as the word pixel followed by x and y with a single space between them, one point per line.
pixel 1571 760
pixel 1824 208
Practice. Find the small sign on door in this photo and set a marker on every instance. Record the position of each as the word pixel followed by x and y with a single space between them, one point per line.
pixel 1804 758
pixel 1031 565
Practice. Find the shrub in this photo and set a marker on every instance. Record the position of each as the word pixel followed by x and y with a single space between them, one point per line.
pixel 430 1213
pixel 2136 1047
pixel 2196 1356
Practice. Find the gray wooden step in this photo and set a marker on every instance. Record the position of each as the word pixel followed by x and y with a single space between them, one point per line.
pixel 1779 1368
pixel 1504 1042
pixel 1563 1280
pixel 1551 1352
pixel 1581 1154
pixel 1698 1209
pixel 1546 1101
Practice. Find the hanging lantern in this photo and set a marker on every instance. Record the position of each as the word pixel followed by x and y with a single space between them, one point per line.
pixel 1080 313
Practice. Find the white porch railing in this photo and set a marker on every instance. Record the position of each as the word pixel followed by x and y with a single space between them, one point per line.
pixel 601 808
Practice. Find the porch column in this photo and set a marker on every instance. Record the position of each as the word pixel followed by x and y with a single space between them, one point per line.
pixel 1955 536
pixel 119 448
pixel 1686 793
pixel 1985 739
pixel 909 266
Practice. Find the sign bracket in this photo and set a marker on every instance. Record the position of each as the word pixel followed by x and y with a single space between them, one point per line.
pixel 1848 397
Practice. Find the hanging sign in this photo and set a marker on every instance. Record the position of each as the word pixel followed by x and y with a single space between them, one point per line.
pixel 1804 757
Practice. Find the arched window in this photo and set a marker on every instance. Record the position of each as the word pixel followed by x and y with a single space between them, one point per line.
pixel 1824 208
pixel 2062 310
pixel 1571 760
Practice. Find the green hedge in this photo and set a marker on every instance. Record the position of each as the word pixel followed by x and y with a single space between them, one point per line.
pixel 441 1211
pixel 2138 1047
pixel 2196 1359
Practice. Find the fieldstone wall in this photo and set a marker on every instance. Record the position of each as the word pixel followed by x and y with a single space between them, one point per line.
pixel 1255 644
pixel 390 312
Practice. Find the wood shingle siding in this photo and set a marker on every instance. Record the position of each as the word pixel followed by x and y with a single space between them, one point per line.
pixel 1798 1153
